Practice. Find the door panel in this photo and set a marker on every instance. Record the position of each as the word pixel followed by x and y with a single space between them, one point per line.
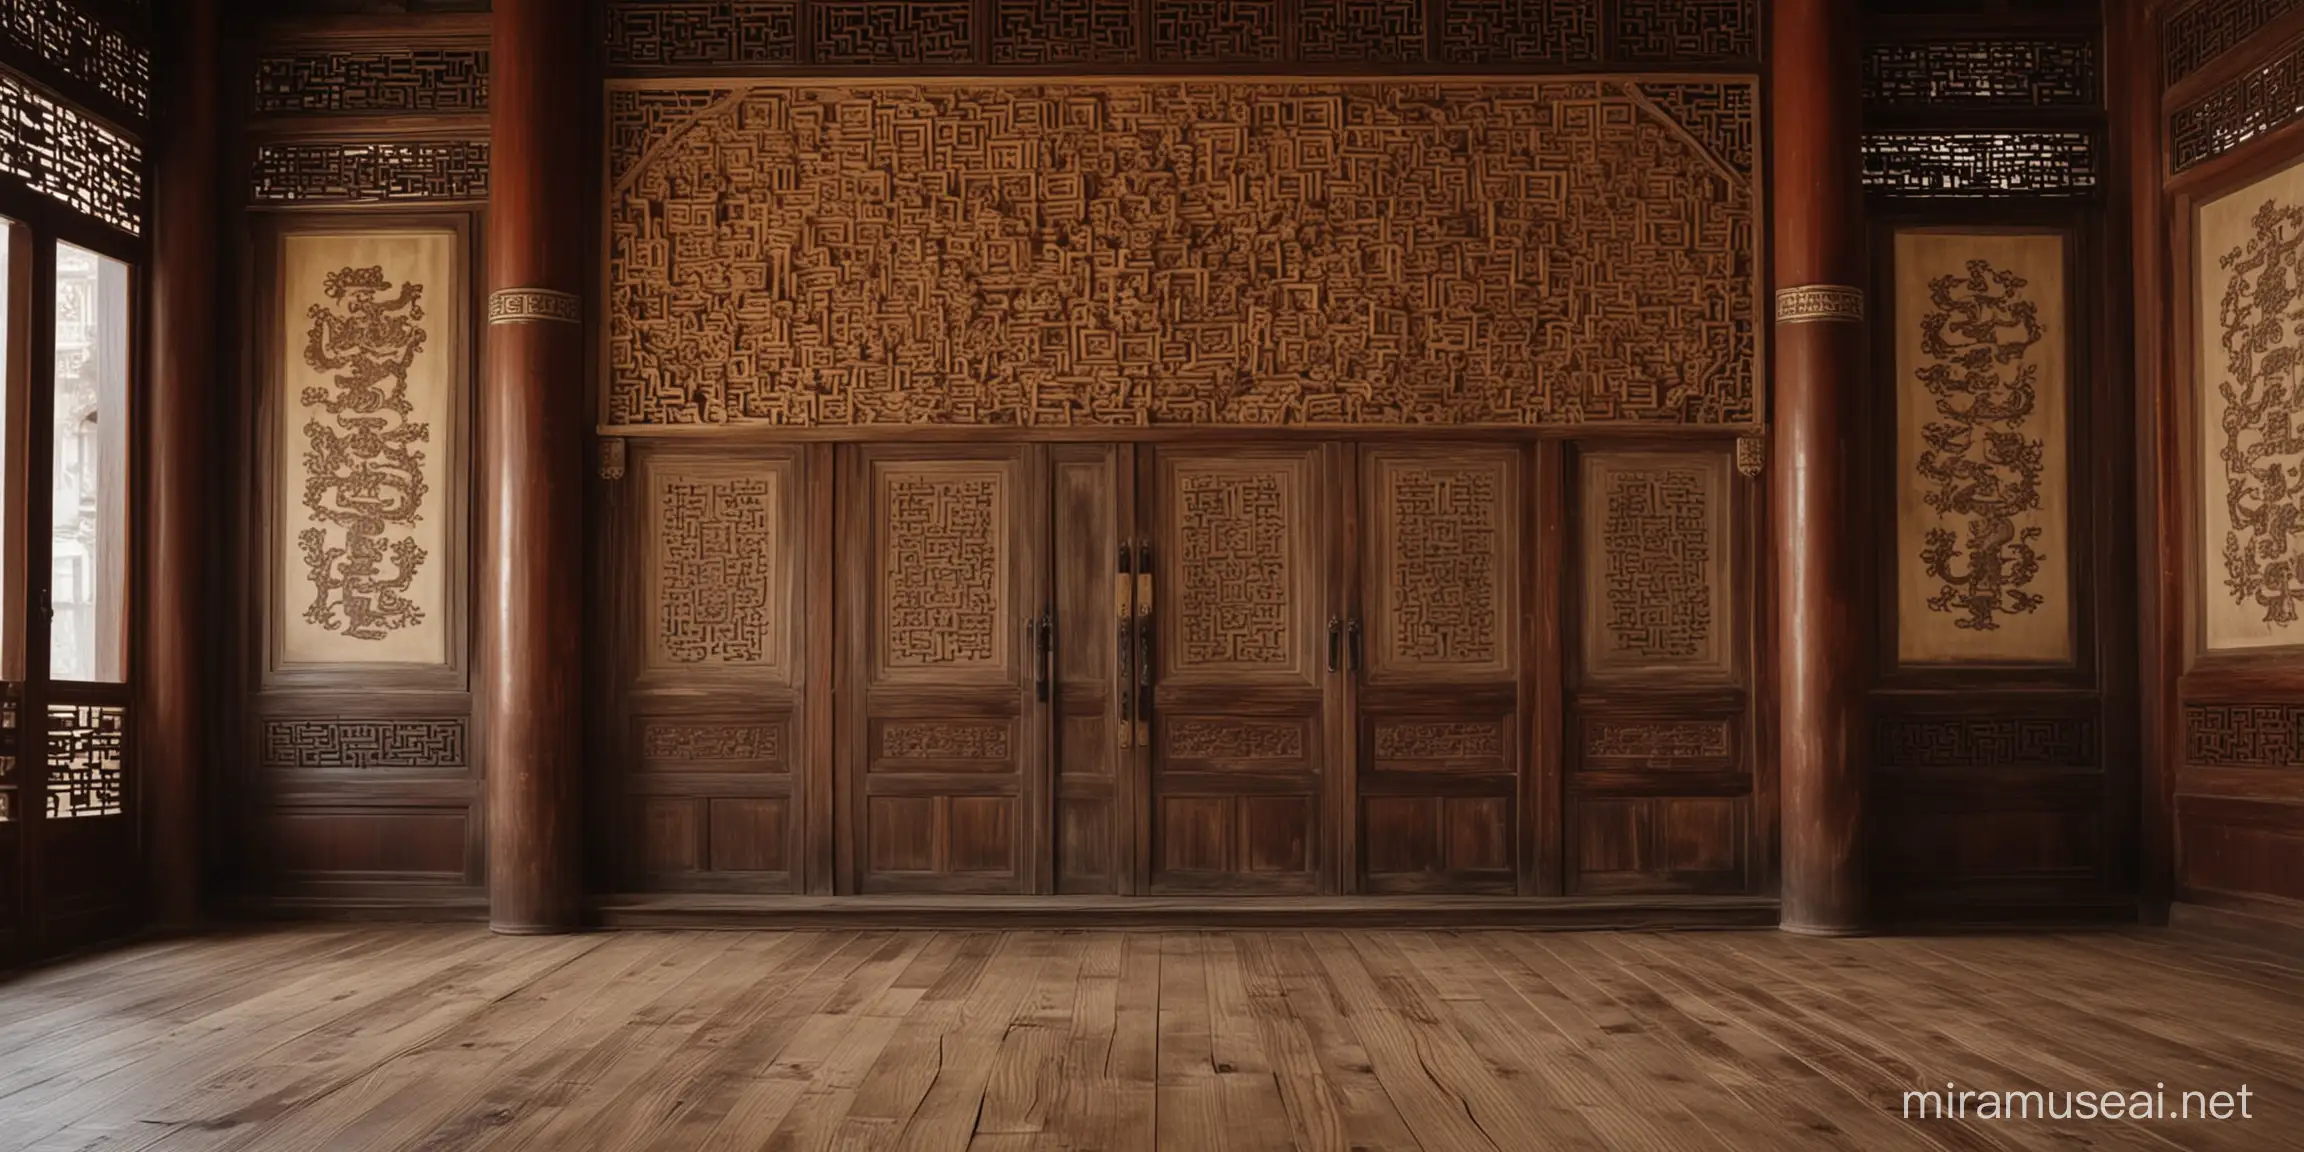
pixel 942 759
pixel 1438 769
pixel 1095 783
pixel 1239 550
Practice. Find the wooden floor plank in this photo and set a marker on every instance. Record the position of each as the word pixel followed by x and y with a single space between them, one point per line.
pixel 436 1038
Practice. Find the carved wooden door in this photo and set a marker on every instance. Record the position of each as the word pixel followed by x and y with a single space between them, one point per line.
pixel 1433 653
pixel 1239 695
pixel 943 749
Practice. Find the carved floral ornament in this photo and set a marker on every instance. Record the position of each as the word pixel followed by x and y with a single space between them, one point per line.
pixel 2261 447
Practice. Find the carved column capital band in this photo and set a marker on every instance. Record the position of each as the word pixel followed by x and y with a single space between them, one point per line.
pixel 534 305
pixel 1820 303
pixel 612 458
pixel 1751 456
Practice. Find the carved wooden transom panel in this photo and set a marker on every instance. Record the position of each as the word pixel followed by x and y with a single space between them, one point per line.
pixel 1236 563
pixel 1657 547
pixel 1461 252
pixel 1441 584
pixel 943 565
pixel 718 549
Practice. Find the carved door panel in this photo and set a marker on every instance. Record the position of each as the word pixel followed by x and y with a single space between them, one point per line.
pixel 1239 688
pixel 1433 651
pixel 943 747
pixel 714 720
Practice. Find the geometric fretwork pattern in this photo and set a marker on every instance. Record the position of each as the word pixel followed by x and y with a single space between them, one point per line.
pixel 1216 31
pixel 892 31
pixel 384 171
pixel 68 36
pixel 87 768
pixel 1520 31
pixel 1657 596
pixel 1980 164
pixel 2198 33
pixel 2244 735
pixel 2237 111
pixel 50 148
pixel 715 580
pixel 2012 742
pixel 1063 31
pixel 364 744
pixel 1656 31
pixel 940 589
pixel 1982 72
pixel 701 33
pixel 1445 563
pixel 1233 561
pixel 1360 31
pixel 401 80
pixel 1458 252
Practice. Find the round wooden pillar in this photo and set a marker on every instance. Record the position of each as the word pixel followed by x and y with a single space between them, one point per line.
pixel 531 483
pixel 177 594
pixel 1815 124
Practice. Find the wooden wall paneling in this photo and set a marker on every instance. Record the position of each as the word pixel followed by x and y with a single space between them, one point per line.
pixel 1657 785
pixel 1436 732
pixel 1340 812
pixel 1090 847
pixel 1240 539
pixel 715 721
pixel 1545 635
pixel 944 766
pixel 819 839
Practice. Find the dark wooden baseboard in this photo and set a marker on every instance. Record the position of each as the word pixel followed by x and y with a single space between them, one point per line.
pixel 292 908
pixel 2276 925
pixel 1172 912
pixel 1954 913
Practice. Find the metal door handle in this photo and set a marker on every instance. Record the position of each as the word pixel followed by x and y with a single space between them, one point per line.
pixel 1043 653
pixel 1335 634
pixel 1352 636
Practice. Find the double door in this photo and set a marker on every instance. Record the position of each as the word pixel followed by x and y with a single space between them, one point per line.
pixel 1248 669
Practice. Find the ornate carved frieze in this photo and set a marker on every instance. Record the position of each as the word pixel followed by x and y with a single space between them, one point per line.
pixel 1991 72
pixel 2241 109
pixel 1615 741
pixel 87 768
pixel 1194 738
pixel 534 305
pixel 1984 742
pixel 1970 165
pixel 52 149
pixel 1820 303
pixel 80 46
pixel 946 740
pixel 374 81
pixel 379 172
pixel 1361 253
pixel 2244 735
pixel 701 34
pixel 2200 32
pixel 365 745
pixel 685 742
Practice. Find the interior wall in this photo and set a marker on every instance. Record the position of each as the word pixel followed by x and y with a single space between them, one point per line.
pixel 2226 678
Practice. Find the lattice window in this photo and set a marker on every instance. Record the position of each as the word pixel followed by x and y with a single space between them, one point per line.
pixel 411 80
pixel 893 31
pixel 1216 31
pixel 1063 31
pixel 1663 31
pixel 702 33
pixel 1520 31
pixel 1981 164
pixel 60 153
pixel 2239 111
pixel 1360 31
pixel 77 45
pixel 382 173
pixel 2205 30
pixel 87 766
pixel 1992 73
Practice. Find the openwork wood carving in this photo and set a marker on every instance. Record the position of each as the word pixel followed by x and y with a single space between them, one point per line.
pixel 55 151
pixel 87 771
pixel 717 549
pixel 364 474
pixel 1975 165
pixel 85 49
pixel 1981 466
pixel 2261 417
pixel 1966 742
pixel 2200 32
pixel 942 570
pixel 2244 735
pixel 1184 252
pixel 2237 111
pixel 369 172
pixel 1234 567
pixel 363 745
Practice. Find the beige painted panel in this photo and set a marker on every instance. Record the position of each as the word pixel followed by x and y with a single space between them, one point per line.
pixel 2248 407
pixel 367 431
pixel 1983 451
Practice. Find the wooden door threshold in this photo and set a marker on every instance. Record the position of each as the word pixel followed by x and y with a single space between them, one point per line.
pixel 1652 913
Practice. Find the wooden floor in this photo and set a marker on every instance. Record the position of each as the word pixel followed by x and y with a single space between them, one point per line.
pixel 366 1037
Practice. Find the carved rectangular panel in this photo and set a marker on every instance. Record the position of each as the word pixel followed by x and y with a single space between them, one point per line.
pixel 1238 528
pixel 2244 735
pixel 2199 32
pixel 1237 742
pixel 109 60
pixel 1581 297
pixel 1647 742
pixel 892 31
pixel 1420 745
pixel 1360 31
pixel 1923 742
pixel 368 401
pixel 1983 553
pixel 1658 547
pixel 701 34
pixel 52 149
pixel 1217 31
pixel 369 172
pixel 1685 31
pixel 374 81
pixel 2246 412
pixel 693 744
pixel 1981 165
pixel 722 558
pixel 2237 111
pixel 366 745
pixel 1064 32
pixel 910 745
pixel 943 595
pixel 1441 529
pixel 87 760
pixel 1986 72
